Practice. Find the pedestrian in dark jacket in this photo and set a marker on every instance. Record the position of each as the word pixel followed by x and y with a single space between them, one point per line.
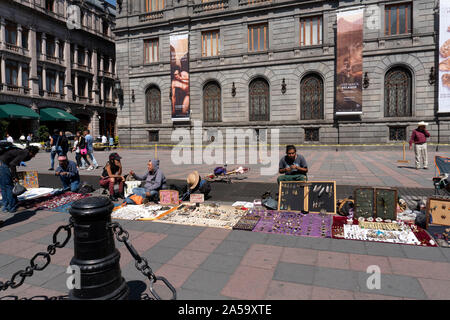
pixel 8 174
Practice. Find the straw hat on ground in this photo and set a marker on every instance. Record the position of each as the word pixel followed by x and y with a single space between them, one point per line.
pixel 193 179
pixel 422 123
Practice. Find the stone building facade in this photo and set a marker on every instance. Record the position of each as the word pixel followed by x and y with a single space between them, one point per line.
pixel 287 68
pixel 46 62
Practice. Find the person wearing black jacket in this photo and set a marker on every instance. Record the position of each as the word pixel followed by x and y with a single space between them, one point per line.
pixel 64 143
pixel 8 174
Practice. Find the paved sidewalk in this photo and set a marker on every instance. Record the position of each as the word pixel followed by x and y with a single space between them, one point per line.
pixel 368 168
pixel 212 264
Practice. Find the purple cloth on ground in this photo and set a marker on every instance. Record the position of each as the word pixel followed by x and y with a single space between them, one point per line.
pixel 293 223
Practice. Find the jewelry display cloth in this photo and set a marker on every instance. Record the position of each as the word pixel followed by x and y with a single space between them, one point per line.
pixel 53 201
pixel 404 233
pixel 205 215
pixel 146 211
pixel 293 223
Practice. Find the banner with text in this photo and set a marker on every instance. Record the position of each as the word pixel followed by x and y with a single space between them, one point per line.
pixel 349 62
pixel 444 56
pixel 179 76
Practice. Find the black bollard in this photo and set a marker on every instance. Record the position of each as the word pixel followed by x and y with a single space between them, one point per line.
pixel 95 252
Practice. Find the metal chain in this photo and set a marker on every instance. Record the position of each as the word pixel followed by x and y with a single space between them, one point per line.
pixel 34 266
pixel 141 263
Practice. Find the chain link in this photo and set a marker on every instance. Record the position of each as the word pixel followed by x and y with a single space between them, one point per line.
pixel 141 263
pixel 29 270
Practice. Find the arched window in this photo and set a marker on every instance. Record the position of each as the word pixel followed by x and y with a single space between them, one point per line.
pixel 397 93
pixel 212 102
pixel 259 100
pixel 153 105
pixel 311 97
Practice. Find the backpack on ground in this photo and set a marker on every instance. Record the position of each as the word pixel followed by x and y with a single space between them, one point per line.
pixel 344 206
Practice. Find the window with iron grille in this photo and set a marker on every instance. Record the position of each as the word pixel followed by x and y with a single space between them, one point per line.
pixel 258 38
pixel 311 97
pixel 398 19
pixel 151 50
pixel 153 103
pixel 397 93
pixel 311 31
pixel 210 43
pixel 397 133
pixel 153 136
pixel 212 102
pixel 259 100
pixel 312 134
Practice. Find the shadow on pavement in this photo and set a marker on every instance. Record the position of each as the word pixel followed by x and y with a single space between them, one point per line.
pixel 137 289
pixel 19 217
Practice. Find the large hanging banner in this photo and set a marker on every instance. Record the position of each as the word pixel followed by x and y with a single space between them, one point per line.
pixel 179 76
pixel 349 62
pixel 444 56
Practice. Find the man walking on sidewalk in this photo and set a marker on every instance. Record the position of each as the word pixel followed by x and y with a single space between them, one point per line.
pixel 419 138
pixel 90 149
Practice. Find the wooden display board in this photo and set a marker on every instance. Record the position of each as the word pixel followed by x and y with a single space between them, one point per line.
pixel 386 203
pixel 439 208
pixel 376 203
pixel 309 196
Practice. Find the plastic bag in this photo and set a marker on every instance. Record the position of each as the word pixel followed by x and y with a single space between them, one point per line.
pixel 18 189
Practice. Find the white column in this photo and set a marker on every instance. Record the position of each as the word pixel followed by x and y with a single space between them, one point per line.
pixel 86 88
pixel 75 53
pixel 2 30
pixel 76 86
pixel 57 88
pixel 19 35
pixel 44 44
pixel 19 76
pixel 44 80
pixel 101 63
pixel 3 69
pixel 102 91
pixel 110 65
pixel 86 57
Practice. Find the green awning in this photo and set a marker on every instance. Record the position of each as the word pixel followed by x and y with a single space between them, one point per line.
pixel 16 111
pixel 54 114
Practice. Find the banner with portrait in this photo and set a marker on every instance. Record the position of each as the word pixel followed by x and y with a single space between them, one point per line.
pixel 179 76
pixel 444 56
pixel 349 64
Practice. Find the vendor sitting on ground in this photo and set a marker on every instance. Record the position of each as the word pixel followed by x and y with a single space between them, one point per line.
pixel 293 166
pixel 68 173
pixel 112 174
pixel 195 184
pixel 154 181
